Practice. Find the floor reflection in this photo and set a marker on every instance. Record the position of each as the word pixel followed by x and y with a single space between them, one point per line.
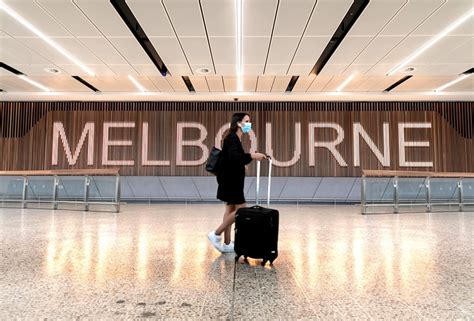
pixel 98 254
pixel 143 253
pixel 360 259
pixel 342 264
pixel 353 258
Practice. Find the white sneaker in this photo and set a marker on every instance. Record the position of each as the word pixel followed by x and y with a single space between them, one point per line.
pixel 228 248
pixel 215 240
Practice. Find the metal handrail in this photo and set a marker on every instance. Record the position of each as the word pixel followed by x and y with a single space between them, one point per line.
pixel 390 173
pixel 396 175
pixel 64 172
pixel 56 174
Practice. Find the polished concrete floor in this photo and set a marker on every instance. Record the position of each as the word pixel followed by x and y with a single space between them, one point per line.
pixel 155 262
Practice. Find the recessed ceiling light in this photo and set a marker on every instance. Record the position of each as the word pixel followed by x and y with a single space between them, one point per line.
pixel 203 71
pixel 432 41
pixel 47 39
pixel 52 70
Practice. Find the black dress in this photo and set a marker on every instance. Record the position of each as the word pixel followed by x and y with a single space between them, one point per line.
pixel 231 174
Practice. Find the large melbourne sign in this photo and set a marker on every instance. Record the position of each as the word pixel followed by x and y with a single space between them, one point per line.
pixel 72 150
pixel 301 141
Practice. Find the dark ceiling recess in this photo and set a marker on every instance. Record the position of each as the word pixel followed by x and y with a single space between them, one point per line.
pixel 132 23
pixel 470 71
pixel 188 83
pixel 346 24
pixel 85 83
pixel 292 83
pixel 10 69
pixel 398 83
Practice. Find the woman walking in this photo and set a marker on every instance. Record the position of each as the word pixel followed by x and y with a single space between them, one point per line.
pixel 230 178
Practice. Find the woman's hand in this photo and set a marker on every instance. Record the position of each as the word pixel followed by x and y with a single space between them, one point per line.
pixel 258 156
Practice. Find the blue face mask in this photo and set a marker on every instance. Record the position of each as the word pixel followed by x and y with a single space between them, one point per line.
pixel 246 128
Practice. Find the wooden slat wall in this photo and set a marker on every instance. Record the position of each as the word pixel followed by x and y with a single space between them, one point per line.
pixel 26 133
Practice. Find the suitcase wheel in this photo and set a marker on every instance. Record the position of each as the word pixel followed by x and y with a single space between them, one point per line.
pixel 263 262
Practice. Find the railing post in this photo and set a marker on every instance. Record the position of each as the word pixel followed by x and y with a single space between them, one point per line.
pixel 428 194
pixel 86 192
pixel 395 194
pixel 363 195
pixel 117 193
pixel 24 195
pixel 55 192
pixel 461 195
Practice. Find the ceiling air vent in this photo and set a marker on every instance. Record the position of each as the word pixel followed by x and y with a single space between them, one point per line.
pixel 346 24
pixel 292 83
pixel 188 83
pixel 398 83
pixel 132 23
pixel 85 83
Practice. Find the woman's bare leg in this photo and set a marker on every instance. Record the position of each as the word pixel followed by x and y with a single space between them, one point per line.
pixel 228 210
pixel 229 219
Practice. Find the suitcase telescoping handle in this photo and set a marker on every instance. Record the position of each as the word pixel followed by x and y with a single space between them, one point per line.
pixel 269 181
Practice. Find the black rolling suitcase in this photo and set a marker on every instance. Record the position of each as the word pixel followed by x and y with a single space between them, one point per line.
pixel 256 228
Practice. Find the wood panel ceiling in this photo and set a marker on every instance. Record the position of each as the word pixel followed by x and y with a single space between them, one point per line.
pixel 281 39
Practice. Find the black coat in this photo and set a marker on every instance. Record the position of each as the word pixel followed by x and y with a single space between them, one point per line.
pixel 231 174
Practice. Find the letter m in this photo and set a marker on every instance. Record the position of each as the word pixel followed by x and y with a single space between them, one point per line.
pixel 58 132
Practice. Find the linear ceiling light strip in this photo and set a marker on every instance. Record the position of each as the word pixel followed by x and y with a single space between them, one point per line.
pixel 398 83
pixel 455 81
pixel 34 83
pixel 346 24
pixel 432 41
pixel 345 82
pixel 240 44
pixel 85 83
pixel 23 77
pixel 139 34
pixel 137 84
pixel 48 40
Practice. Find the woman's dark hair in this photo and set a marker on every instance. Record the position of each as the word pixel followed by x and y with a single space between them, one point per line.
pixel 237 117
